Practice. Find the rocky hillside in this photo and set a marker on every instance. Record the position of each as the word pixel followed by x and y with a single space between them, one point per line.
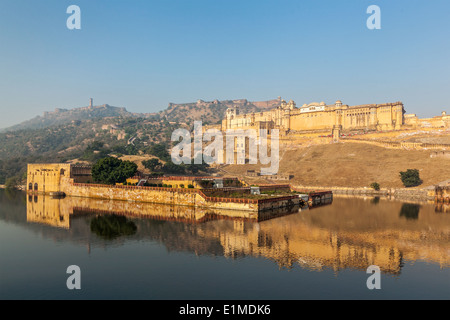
pixel 90 132
pixel 212 112
pixel 209 112
pixel 64 116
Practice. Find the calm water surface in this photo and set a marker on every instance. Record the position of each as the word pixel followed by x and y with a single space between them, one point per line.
pixel 141 251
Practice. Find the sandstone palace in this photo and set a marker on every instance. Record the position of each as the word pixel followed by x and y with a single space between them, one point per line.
pixel 319 117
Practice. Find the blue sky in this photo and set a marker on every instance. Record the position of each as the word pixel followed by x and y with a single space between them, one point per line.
pixel 144 54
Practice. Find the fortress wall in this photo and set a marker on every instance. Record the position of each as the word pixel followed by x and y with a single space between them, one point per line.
pixel 380 117
pixel 436 122
pixel 171 196
pixel 132 193
pixel 45 178
pixel 387 116
pixel 175 183
pixel 401 145
pixel 57 178
pixel 360 118
pixel 319 120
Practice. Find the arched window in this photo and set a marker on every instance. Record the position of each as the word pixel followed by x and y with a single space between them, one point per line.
pixel 35 187
pixel 30 186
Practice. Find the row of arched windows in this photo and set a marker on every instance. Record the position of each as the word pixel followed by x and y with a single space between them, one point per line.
pixel 30 186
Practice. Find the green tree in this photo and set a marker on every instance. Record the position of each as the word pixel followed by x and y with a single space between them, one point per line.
pixel 11 183
pixel 410 178
pixel 160 151
pixel 95 151
pixel 111 170
pixel 375 186
pixel 172 168
pixel 151 164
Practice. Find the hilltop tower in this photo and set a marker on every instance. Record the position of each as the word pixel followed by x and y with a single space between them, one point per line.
pixel 91 102
pixel 231 114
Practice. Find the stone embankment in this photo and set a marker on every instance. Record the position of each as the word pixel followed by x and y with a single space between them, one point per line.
pixel 399 193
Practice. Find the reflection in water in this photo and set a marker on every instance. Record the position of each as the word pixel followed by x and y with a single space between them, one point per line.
pixel 350 233
pixel 442 207
pixel 410 211
pixel 112 226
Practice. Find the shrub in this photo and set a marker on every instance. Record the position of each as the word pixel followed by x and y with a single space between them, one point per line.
pixel 410 178
pixel 181 185
pixel 190 186
pixel 151 164
pixel 11 183
pixel 375 186
pixel 112 170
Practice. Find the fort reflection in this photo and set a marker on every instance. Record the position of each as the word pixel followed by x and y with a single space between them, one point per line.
pixel 349 234
pixel 57 212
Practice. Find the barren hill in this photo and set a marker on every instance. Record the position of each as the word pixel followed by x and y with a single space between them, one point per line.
pixel 353 165
pixel 65 116
pixel 212 112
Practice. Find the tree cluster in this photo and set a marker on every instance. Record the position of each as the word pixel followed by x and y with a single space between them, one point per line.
pixel 111 170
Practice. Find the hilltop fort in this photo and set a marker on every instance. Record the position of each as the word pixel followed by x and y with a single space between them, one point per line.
pixel 322 118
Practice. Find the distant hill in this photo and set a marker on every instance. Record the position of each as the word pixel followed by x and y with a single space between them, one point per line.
pixel 212 112
pixel 63 116
pixel 209 112
pixel 88 132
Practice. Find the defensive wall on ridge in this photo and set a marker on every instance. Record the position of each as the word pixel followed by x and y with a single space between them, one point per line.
pixel 401 145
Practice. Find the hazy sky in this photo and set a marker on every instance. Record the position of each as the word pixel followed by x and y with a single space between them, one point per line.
pixel 144 54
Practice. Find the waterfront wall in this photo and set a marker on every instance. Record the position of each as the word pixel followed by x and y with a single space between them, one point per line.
pixel 400 193
pixel 173 196
pixel 59 178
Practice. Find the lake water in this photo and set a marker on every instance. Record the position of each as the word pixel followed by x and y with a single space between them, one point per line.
pixel 141 251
